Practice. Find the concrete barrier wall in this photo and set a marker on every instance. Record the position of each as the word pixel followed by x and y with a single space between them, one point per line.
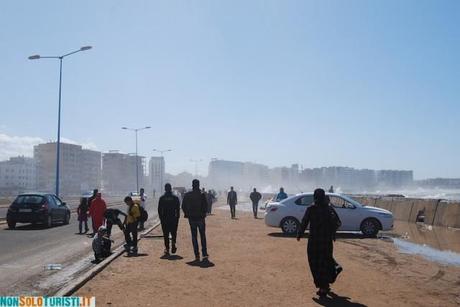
pixel 437 212
pixel 448 214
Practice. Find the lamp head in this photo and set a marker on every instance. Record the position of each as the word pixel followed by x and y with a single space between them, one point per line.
pixel 85 48
pixel 34 57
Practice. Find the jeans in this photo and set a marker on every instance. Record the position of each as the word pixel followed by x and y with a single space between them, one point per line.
pixel 195 226
pixel 80 225
pixel 255 207
pixel 169 227
pixel 131 234
pixel 233 210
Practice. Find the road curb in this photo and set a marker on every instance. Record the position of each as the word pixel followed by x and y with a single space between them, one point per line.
pixel 76 284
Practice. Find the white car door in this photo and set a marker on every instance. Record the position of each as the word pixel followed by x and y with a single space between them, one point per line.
pixel 348 213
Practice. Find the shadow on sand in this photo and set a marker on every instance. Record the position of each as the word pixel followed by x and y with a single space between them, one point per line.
pixel 335 300
pixel 204 264
pixel 171 257
pixel 338 236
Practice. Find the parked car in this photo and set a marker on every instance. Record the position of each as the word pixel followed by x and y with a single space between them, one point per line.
pixel 287 214
pixel 37 208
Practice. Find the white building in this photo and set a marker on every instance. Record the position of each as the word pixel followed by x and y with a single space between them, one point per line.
pixel 119 172
pixel 80 169
pixel 17 175
pixel 157 174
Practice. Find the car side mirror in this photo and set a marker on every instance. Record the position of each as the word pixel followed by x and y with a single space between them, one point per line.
pixel 63 204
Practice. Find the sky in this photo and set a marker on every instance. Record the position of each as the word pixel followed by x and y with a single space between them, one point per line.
pixel 366 84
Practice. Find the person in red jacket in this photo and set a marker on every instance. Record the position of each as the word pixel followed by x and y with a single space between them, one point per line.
pixel 96 211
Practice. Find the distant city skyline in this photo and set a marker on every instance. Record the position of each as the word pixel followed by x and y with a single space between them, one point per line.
pixel 363 84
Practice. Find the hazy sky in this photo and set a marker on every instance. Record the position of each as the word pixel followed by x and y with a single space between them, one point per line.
pixel 368 84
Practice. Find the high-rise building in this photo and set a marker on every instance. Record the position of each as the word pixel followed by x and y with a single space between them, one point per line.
pixel 119 172
pixel 80 169
pixel 157 174
pixel 223 174
pixel 17 175
pixel 91 164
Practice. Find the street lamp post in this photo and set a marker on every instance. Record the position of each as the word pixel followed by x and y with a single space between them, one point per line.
pixel 58 145
pixel 161 155
pixel 196 161
pixel 137 158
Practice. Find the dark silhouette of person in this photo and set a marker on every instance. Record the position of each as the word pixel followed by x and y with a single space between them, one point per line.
pixel 324 222
pixel 112 218
pixel 255 198
pixel 281 195
pixel 195 207
pixel 82 212
pixel 331 189
pixel 210 198
pixel 232 200
pixel 169 212
pixel 143 198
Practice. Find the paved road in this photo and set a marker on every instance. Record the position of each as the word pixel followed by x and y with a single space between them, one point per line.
pixel 26 250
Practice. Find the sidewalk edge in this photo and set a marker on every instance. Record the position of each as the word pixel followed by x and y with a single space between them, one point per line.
pixel 69 289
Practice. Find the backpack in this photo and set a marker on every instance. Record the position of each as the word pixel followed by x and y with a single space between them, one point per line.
pixel 144 215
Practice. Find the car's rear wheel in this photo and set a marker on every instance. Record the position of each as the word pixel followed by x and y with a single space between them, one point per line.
pixel 67 218
pixel 11 224
pixel 290 225
pixel 370 227
pixel 49 221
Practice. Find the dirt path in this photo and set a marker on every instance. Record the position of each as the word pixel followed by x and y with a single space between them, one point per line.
pixel 256 266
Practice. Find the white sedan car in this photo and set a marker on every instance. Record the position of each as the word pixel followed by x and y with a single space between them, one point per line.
pixel 289 212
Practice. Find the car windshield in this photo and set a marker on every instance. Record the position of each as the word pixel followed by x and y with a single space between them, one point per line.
pixel 29 199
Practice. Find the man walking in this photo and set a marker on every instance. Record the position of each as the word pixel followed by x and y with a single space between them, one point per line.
pixel 169 211
pixel 232 200
pixel 131 222
pixel 210 198
pixel 255 198
pixel 195 206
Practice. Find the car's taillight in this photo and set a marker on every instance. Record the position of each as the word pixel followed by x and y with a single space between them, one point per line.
pixel 272 209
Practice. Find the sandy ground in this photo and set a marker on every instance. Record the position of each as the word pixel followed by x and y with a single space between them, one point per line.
pixel 253 265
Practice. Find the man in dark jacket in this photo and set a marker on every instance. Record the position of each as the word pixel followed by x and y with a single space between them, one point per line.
pixel 210 198
pixel 111 218
pixel 255 198
pixel 169 211
pixel 195 206
pixel 232 200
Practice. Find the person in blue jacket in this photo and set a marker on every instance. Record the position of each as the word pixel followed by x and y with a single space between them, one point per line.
pixel 281 195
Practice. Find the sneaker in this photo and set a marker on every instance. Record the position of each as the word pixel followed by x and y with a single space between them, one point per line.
pixel 174 249
pixel 197 258
pixel 166 252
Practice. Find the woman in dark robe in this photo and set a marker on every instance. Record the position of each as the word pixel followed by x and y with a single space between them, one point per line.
pixel 324 222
